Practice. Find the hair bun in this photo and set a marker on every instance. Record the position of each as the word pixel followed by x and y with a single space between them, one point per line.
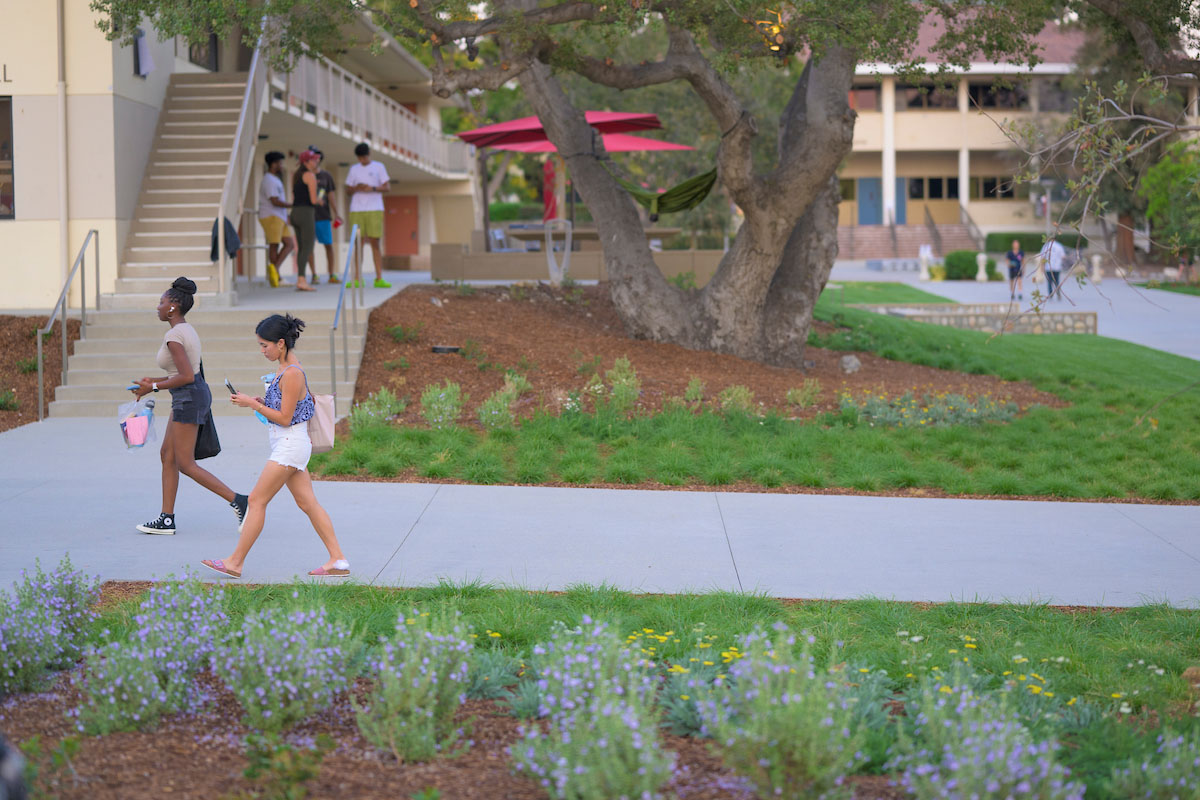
pixel 295 324
pixel 185 285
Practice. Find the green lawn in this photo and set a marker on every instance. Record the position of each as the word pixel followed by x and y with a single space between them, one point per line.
pixel 1178 288
pixel 857 292
pixel 1102 659
pixel 1093 448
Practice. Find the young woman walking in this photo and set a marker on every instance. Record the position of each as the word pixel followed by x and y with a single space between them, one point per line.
pixel 190 403
pixel 288 405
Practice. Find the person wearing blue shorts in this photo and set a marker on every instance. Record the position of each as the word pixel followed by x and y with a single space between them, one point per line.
pixel 327 187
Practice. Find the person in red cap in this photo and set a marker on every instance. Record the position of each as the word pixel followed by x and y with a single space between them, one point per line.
pixel 305 198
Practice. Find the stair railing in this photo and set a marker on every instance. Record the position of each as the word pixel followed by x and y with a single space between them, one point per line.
pixel 241 162
pixel 60 308
pixel 972 229
pixel 892 229
pixel 934 233
pixel 337 317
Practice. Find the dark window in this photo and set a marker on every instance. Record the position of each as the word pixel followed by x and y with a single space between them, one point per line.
pixel 916 188
pixel 205 55
pixel 936 186
pixel 989 187
pixel 1053 96
pixel 938 98
pixel 951 188
pixel 992 96
pixel 847 188
pixel 864 98
pixel 1004 188
pixel 7 200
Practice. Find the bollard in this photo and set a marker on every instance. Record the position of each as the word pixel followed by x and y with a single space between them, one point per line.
pixel 1097 272
pixel 981 262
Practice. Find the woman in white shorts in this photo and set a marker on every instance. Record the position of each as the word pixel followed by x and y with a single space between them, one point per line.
pixel 287 405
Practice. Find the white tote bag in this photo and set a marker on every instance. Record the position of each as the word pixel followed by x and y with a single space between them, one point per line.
pixel 320 424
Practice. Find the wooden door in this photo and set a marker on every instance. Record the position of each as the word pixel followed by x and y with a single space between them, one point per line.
pixel 400 225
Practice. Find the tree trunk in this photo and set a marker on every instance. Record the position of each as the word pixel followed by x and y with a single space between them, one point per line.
pixel 1125 252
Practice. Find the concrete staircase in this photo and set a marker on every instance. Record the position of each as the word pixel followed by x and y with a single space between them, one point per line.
pixel 121 346
pixel 171 233
pixel 861 242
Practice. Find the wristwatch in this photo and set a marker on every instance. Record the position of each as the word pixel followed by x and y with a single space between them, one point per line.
pixel 154 387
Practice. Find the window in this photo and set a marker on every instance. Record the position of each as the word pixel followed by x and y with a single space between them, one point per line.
pixel 984 95
pixel 7 199
pixel 864 98
pixel 916 188
pixel 1002 187
pixel 951 188
pixel 205 55
pixel 1053 96
pixel 915 98
pixel 846 186
pixel 936 188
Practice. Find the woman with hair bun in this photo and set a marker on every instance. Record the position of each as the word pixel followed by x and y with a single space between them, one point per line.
pixel 190 404
pixel 288 406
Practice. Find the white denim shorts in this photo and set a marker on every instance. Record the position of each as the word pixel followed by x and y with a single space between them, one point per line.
pixel 290 446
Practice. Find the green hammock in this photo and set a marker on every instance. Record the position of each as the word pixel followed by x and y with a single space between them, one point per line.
pixel 683 197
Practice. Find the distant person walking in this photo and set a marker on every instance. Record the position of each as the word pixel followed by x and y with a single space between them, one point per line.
pixel 1016 269
pixel 367 182
pixel 325 215
pixel 288 405
pixel 305 198
pixel 191 400
pixel 272 215
pixel 1053 255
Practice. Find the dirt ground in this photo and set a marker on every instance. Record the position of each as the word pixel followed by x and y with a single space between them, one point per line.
pixel 18 352
pixel 554 337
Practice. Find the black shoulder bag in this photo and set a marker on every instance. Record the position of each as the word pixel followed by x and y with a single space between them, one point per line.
pixel 207 443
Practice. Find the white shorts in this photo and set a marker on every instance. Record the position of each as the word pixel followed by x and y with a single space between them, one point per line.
pixel 290 446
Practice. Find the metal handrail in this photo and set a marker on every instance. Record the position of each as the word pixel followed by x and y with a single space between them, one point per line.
pixel 934 233
pixel 973 231
pixel 337 317
pixel 61 305
pixel 892 230
pixel 245 141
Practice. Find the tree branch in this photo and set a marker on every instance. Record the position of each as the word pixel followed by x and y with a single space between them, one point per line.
pixel 1157 60
pixel 447 81
pixel 559 14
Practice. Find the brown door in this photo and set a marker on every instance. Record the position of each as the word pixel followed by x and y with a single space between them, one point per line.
pixel 400 225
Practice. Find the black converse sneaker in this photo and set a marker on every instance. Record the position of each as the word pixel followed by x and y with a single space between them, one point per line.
pixel 240 501
pixel 164 525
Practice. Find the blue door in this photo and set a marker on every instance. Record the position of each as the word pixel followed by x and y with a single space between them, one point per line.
pixel 870 201
pixel 901 201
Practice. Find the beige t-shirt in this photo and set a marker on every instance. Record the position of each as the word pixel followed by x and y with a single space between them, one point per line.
pixel 187 337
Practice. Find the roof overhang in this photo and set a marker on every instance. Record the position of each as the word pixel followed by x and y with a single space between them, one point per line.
pixel 981 68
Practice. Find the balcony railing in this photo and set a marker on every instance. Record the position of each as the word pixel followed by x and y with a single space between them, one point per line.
pixel 323 93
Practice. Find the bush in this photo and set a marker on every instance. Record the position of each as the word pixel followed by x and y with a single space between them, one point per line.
pixel 510 212
pixel 441 405
pixel 625 385
pixel 421 678
pixel 285 666
pixel 8 400
pixel 930 411
pixel 694 393
pixel 27 366
pixel 961 266
pixel 495 413
pixel 1031 243
pixel 602 740
pixel 378 409
pixel 130 685
pixel 684 280
pixel 736 398
pixel 1171 773
pixel 806 395
pixel 489 674
pixel 783 724
pixel 406 334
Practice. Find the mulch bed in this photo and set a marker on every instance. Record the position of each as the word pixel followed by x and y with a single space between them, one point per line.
pixel 201 756
pixel 18 346
pixel 551 333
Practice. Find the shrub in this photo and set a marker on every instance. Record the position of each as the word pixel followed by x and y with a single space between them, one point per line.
pixel 378 409
pixel 400 363
pixel 280 769
pixel 284 666
pixel 508 212
pixel 961 266
pixel 441 405
pixel 694 393
pixel 966 744
pixel 489 674
pixel 463 289
pixel 68 595
pixel 625 385
pixel 8 400
pixel 785 726
pixel 736 398
pixel 602 740
pixel 1031 243
pixel 28 644
pixel 495 413
pixel 27 365
pixel 420 681
pixel 406 334
pixel 806 395
pixel 930 411
pixel 517 383
pixel 130 685
pixel 684 280
pixel 1171 773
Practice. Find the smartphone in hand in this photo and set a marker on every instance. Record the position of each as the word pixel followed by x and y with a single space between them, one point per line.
pixel 229 386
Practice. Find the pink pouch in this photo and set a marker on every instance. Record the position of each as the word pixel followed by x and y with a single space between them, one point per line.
pixel 135 430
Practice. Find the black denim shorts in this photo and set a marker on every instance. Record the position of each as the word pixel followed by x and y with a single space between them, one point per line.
pixel 191 403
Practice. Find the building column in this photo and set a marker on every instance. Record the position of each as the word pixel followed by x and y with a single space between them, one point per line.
pixel 888 190
pixel 964 152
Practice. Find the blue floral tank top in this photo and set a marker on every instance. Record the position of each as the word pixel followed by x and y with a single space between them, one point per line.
pixel 273 399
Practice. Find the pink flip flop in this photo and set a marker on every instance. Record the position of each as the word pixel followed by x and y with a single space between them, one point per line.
pixel 340 569
pixel 217 565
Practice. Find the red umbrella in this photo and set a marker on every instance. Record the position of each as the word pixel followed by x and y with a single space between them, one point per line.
pixel 529 129
pixel 613 143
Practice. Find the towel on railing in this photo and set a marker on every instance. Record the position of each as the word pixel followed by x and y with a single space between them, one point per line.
pixel 232 242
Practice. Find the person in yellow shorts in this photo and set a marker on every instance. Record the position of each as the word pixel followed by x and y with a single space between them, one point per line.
pixel 272 215
pixel 367 182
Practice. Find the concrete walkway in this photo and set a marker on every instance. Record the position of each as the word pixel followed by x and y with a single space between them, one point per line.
pixel 1155 318
pixel 68 486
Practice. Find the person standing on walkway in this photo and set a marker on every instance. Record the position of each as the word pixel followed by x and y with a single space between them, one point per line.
pixel 191 400
pixel 367 182
pixel 1053 255
pixel 305 198
pixel 287 405
pixel 272 215
pixel 1016 269
pixel 325 215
